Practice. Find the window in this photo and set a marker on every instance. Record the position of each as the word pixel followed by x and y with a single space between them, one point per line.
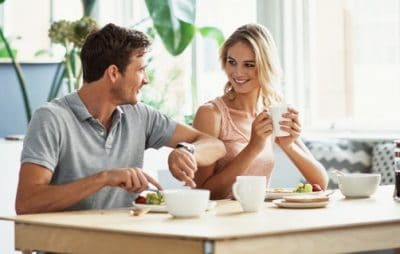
pixel 349 64
pixel 27 31
pixel 340 58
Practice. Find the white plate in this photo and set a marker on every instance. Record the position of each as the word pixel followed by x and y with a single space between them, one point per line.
pixel 153 208
pixel 277 195
pixel 163 208
pixel 282 203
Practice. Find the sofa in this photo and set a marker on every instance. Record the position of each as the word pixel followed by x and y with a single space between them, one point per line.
pixel 365 156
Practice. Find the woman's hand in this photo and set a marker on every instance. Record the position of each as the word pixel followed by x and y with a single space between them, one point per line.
pixel 261 128
pixel 292 126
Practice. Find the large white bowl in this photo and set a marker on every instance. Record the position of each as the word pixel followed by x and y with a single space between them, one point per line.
pixel 358 185
pixel 186 203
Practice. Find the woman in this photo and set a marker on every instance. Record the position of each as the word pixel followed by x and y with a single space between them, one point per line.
pixel 240 118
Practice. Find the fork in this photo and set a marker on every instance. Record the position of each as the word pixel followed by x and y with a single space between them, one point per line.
pixel 154 190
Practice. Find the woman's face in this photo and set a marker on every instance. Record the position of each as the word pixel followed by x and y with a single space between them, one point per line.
pixel 240 67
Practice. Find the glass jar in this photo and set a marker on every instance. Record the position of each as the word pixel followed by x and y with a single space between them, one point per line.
pixel 396 194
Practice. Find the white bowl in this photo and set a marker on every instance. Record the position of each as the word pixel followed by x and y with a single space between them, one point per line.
pixel 358 185
pixel 186 203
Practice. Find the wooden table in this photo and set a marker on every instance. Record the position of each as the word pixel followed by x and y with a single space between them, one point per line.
pixel 346 225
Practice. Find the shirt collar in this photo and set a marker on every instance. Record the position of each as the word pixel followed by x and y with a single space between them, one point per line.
pixel 80 110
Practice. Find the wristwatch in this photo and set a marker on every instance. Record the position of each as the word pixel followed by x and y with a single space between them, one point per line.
pixel 187 146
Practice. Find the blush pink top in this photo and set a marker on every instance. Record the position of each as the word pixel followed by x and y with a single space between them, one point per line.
pixel 235 140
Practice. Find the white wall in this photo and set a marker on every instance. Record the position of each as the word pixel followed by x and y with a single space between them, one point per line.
pixel 9 168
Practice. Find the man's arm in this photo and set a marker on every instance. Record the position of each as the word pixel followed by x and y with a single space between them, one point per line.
pixel 183 164
pixel 35 194
pixel 207 148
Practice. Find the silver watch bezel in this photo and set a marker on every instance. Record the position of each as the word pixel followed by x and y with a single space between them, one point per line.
pixel 187 146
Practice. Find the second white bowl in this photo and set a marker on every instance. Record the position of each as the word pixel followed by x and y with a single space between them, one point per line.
pixel 358 185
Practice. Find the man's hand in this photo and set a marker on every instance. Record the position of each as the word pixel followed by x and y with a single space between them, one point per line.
pixel 182 165
pixel 130 179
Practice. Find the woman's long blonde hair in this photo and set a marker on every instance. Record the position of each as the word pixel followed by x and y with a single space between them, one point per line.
pixel 267 62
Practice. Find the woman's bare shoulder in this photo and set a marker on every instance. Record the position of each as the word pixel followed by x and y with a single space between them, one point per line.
pixel 208 108
pixel 208 119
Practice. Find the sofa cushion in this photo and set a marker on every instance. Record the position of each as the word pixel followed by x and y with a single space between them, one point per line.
pixel 383 161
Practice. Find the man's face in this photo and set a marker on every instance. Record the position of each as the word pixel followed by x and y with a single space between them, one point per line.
pixel 127 87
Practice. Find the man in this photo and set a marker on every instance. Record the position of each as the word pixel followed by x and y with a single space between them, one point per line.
pixel 85 150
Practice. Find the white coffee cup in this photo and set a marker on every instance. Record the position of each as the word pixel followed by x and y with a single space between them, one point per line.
pixel 250 192
pixel 276 112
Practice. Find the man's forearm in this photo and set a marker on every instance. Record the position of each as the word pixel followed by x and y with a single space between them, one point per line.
pixel 53 198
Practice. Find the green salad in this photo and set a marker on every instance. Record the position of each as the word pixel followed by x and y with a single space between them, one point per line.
pixel 154 198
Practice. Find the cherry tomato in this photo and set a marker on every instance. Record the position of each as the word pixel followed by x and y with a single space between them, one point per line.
pixel 140 200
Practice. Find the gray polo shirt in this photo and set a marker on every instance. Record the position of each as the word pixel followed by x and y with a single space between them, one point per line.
pixel 66 139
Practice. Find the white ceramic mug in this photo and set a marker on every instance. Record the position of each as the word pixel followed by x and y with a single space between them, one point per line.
pixel 250 192
pixel 276 112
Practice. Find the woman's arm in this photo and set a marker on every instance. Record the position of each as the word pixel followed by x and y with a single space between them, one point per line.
pixel 298 153
pixel 208 120
pixel 309 167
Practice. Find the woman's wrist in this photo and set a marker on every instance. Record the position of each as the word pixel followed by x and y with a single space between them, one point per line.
pixel 288 147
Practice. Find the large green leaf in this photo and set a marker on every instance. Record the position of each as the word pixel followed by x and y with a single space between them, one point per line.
pixel 212 32
pixel 184 10
pixel 1 1
pixel 174 22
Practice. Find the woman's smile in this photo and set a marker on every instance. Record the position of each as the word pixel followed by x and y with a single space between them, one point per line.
pixel 240 81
